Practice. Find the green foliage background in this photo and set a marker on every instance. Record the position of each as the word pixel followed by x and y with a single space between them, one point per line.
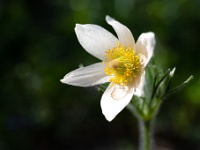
pixel 38 46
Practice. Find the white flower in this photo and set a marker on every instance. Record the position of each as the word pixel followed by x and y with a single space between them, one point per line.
pixel 123 63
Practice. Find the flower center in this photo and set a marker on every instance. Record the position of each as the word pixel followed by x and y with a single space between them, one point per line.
pixel 122 64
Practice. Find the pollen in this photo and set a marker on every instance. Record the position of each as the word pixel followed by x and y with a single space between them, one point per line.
pixel 122 65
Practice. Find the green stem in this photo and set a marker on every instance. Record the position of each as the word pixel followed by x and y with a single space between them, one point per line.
pixel 145 134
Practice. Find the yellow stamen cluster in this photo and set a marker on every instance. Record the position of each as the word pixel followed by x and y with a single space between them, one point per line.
pixel 122 64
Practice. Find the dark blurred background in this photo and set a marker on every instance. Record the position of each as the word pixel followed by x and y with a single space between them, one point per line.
pixel 38 46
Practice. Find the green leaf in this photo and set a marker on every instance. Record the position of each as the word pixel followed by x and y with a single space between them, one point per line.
pixel 177 88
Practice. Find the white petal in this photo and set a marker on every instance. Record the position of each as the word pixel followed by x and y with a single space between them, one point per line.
pixel 139 91
pixel 145 45
pixel 114 100
pixel 95 39
pixel 124 34
pixel 86 76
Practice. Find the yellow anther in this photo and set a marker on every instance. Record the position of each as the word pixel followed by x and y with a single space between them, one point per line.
pixel 122 64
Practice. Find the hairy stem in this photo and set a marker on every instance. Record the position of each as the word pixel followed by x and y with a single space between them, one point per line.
pixel 146 141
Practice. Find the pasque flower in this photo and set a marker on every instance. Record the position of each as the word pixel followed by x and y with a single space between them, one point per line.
pixel 122 64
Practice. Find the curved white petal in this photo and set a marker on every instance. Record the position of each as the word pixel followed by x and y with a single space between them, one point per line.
pixel 114 100
pixel 95 39
pixel 124 34
pixel 145 45
pixel 86 76
pixel 139 91
pixel 136 80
